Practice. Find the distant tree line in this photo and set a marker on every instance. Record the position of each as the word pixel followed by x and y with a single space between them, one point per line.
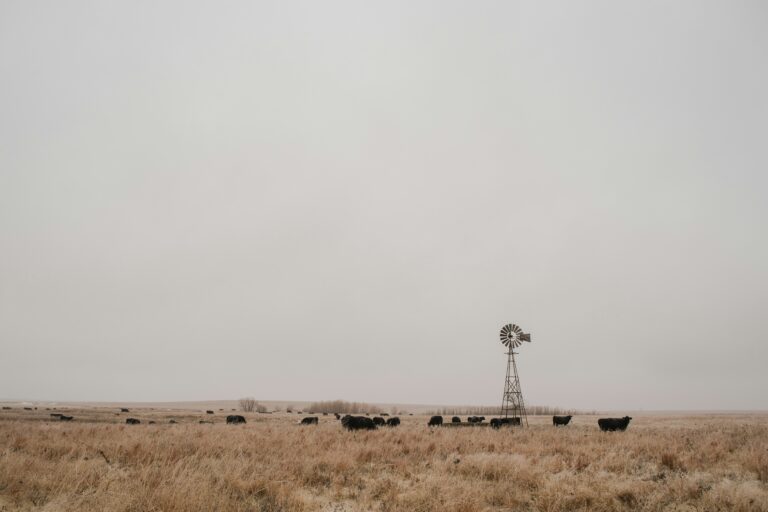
pixel 343 407
pixel 249 404
pixel 532 410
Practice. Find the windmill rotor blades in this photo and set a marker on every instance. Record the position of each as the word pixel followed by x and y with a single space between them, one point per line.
pixel 513 336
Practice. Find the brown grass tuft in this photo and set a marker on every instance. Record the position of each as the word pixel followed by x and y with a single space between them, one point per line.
pixel 670 461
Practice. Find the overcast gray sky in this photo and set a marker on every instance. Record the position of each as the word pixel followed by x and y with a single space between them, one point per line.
pixel 319 200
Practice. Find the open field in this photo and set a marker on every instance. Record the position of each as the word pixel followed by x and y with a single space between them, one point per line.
pixel 96 462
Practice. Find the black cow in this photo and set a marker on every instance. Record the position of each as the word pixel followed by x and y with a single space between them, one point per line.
pixel 132 421
pixel 235 419
pixel 123 409
pixel 208 412
pixel 357 423
pixel 393 422
pixel 309 420
pixel 611 424
pixel 66 418
pixel 455 419
pixel 379 421
pixel 499 422
pixel 561 420
pixel 435 421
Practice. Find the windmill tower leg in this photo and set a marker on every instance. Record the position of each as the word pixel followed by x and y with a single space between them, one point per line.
pixel 512 405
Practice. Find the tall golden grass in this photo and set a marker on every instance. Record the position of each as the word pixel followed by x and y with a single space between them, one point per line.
pixel 271 464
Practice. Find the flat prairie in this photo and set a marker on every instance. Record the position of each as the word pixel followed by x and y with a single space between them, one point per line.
pixel 96 462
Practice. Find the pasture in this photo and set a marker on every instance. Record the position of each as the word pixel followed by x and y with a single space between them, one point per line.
pixel 96 462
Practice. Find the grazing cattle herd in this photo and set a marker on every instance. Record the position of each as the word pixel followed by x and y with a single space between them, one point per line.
pixel 350 422
pixel 500 422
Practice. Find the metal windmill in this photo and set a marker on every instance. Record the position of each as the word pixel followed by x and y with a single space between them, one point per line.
pixel 512 405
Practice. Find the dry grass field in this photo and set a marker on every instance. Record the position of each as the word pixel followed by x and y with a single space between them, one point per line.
pixel 97 463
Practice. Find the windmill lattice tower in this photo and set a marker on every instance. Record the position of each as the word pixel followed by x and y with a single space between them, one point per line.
pixel 512 404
